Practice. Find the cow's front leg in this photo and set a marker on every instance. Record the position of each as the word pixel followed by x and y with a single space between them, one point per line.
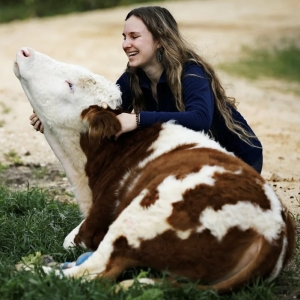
pixel 89 234
pixel 94 228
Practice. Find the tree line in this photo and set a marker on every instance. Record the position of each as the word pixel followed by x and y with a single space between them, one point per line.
pixel 24 9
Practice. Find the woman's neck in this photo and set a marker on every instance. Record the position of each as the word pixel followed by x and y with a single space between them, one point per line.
pixel 154 74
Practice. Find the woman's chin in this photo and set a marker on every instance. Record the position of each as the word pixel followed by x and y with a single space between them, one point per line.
pixel 133 64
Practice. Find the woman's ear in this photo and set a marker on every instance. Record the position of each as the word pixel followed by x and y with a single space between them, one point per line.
pixel 101 122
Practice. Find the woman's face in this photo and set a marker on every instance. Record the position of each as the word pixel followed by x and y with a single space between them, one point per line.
pixel 139 44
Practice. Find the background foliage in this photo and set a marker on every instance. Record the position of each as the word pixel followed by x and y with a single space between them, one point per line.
pixel 23 9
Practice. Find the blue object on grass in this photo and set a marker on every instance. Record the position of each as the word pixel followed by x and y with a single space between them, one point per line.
pixel 83 257
pixel 68 265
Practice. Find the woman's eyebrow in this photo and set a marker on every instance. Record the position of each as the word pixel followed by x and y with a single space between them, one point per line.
pixel 131 32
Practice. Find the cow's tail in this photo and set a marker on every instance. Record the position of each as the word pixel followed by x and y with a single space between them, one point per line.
pixel 267 263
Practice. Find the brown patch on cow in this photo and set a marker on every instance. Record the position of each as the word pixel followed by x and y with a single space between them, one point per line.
pixel 150 198
pixel 183 216
pixel 291 236
pixel 229 188
pixel 102 123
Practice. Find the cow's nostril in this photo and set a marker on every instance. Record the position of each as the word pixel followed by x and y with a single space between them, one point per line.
pixel 25 52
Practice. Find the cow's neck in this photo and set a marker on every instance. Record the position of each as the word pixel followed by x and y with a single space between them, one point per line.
pixel 110 160
pixel 65 146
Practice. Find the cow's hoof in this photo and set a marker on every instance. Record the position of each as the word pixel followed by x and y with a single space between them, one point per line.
pixel 126 284
pixel 57 272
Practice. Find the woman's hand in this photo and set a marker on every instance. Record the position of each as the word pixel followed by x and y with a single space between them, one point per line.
pixel 36 123
pixel 128 123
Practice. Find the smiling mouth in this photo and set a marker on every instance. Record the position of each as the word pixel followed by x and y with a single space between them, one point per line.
pixel 132 54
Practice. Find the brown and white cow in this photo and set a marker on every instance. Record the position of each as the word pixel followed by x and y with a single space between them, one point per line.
pixel 164 197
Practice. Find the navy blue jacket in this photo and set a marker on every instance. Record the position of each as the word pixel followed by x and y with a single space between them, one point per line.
pixel 200 112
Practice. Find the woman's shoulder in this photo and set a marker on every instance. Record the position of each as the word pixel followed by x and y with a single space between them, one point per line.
pixel 123 79
pixel 193 68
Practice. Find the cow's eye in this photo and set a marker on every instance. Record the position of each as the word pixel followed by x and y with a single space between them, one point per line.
pixel 70 85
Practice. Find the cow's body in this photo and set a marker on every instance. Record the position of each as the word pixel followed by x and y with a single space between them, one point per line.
pixel 164 197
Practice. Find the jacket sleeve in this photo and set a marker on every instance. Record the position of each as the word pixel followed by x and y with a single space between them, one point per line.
pixel 124 84
pixel 198 99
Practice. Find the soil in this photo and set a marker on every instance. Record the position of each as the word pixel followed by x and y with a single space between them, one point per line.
pixel 220 29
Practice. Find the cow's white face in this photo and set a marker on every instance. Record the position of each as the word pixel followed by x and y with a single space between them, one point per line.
pixel 59 92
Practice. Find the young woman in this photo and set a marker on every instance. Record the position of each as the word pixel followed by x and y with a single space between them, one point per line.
pixel 166 79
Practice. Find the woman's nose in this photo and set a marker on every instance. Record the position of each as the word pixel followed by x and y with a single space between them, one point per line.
pixel 126 44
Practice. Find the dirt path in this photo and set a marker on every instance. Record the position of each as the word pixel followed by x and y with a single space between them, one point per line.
pixel 219 29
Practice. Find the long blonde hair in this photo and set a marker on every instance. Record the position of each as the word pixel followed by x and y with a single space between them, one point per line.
pixel 175 52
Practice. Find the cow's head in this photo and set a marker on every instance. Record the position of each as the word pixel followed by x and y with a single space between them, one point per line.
pixel 59 92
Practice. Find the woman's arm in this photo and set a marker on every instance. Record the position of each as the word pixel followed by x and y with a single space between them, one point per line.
pixel 197 96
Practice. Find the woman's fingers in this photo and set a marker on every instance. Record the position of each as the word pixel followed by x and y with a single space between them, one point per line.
pixel 32 116
pixel 128 123
pixel 34 120
pixel 36 123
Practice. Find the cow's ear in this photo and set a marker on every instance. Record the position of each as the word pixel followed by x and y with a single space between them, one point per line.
pixel 101 122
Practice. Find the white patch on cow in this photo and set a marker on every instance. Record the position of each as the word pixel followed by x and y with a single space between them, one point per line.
pixel 69 240
pixel 244 215
pixel 276 205
pixel 146 281
pixel 82 245
pixel 183 235
pixel 168 140
pixel 280 260
pixel 73 161
pixel 126 284
pixel 125 178
pixel 95 264
pixel 50 270
pixel 117 203
pixel 129 186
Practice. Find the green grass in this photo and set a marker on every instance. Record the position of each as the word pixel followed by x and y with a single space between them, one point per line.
pixel 2 168
pixel 31 221
pixel 278 62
